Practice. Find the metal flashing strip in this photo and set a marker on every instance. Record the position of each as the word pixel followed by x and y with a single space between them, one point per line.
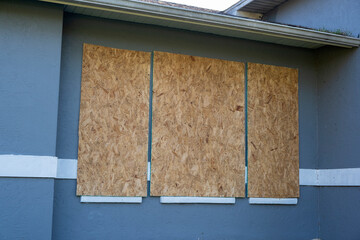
pixel 103 199
pixel 227 25
pixel 149 171
pixel 246 172
pixel 188 200
pixel 272 201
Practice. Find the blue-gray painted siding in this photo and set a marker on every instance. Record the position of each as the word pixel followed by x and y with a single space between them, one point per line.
pixel 26 208
pixel 339 107
pixel 30 54
pixel 339 213
pixel 317 14
pixel 151 220
pixel 338 77
pixel 30 41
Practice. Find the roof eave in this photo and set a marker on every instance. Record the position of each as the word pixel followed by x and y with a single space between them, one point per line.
pixel 216 23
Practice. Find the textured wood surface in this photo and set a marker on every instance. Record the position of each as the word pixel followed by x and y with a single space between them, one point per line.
pixel 113 126
pixel 273 134
pixel 198 127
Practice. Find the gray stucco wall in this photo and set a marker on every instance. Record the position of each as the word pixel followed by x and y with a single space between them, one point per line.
pixel 30 40
pixel 30 53
pixel 338 77
pixel 26 208
pixel 32 45
pixel 152 220
pixel 339 107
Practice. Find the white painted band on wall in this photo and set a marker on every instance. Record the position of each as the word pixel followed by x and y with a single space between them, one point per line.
pixel 66 169
pixel 27 166
pixel 272 201
pixel 101 199
pixel 330 177
pixel 308 177
pixel 210 200
pixel 24 166
pixel 339 177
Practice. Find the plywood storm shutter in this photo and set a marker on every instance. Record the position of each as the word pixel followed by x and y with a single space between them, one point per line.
pixel 113 126
pixel 198 119
pixel 273 132
pixel 198 127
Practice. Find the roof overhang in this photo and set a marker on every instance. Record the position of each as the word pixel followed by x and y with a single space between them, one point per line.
pixel 220 24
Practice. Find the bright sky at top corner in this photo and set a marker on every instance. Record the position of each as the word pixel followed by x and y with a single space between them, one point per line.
pixel 209 4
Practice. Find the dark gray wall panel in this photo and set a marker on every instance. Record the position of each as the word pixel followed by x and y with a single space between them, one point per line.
pixel 30 43
pixel 153 220
pixel 339 107
pixel 26 208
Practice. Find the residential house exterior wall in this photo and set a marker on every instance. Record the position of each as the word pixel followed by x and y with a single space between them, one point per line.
pixel 40 71
pixel 339 107
pixel 30 54
pixel 151 219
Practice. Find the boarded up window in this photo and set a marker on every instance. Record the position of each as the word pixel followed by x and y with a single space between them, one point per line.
pixel 273 139
pixel 113 127
pixel 198 127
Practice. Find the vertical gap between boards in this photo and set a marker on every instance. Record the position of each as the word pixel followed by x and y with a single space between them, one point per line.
pixel 150 118
pixel 246 130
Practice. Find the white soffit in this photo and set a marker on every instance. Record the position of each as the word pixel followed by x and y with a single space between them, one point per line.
pixel 256 6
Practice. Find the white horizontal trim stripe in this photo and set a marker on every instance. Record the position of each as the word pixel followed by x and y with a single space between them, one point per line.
pixel 66 169
pixel 28 166
pixel 101 199
pixel 339 177
pixel 281 201
pixel 212 200
pixel 330 177
pixel 308 177
pixel 24 166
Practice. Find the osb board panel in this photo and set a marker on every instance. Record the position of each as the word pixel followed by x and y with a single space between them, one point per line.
pixel 113 126
pixel 198 127
pixel 273 135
